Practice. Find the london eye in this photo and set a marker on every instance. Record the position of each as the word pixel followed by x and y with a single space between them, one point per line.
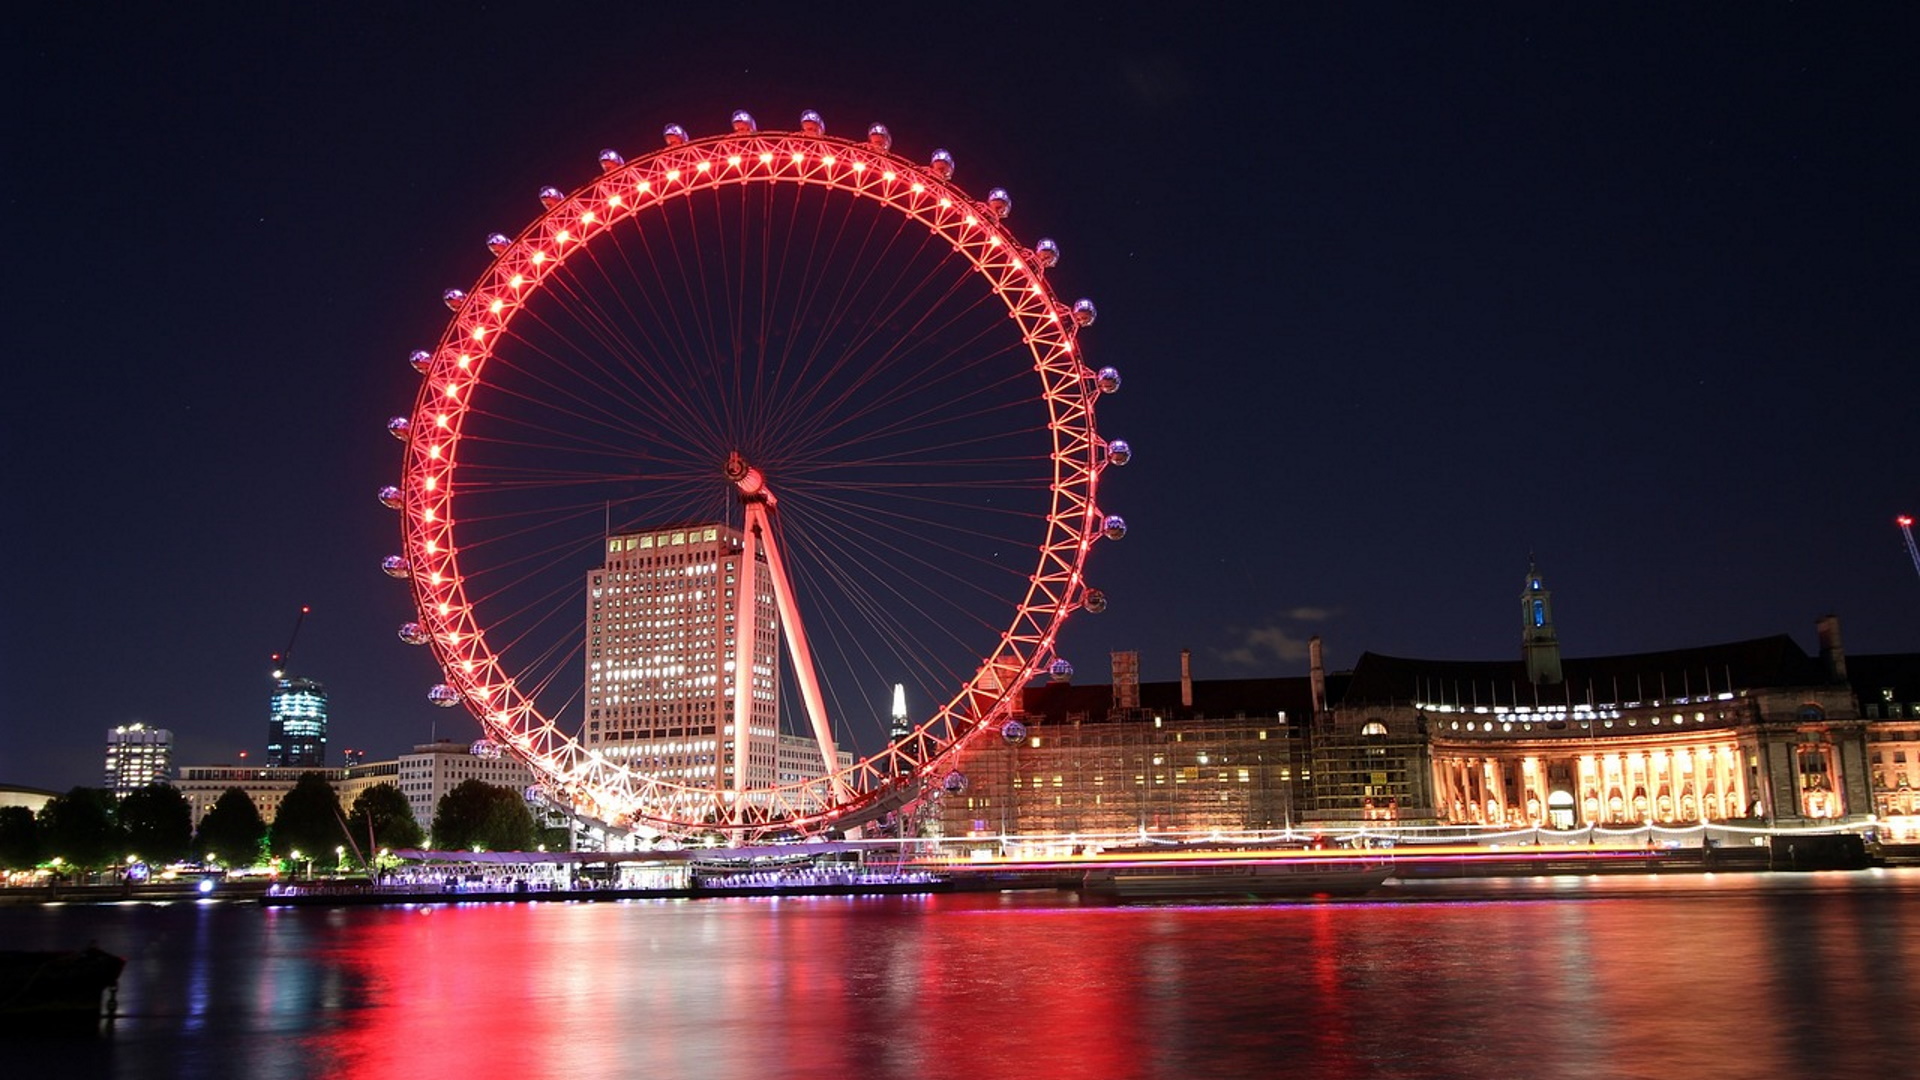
pixel 727 442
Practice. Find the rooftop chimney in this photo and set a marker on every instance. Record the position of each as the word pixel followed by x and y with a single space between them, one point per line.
pixel 1186 678
pixel 1317 674
pixel 1831 651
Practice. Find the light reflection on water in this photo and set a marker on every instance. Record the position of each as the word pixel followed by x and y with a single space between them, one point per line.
pixel 1697 976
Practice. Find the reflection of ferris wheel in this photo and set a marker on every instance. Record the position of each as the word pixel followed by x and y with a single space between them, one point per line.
pixel 855 392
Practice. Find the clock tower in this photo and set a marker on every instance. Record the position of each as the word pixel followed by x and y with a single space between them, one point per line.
pixel 1539 642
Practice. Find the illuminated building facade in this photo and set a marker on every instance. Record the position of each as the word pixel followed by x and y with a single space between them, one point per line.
pixel 662 614
pixel 1752 732
pixel 1165 756
pixel 137 755
pixel 297 730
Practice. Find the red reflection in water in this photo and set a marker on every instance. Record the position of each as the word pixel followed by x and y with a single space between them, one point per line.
pixel 1583 978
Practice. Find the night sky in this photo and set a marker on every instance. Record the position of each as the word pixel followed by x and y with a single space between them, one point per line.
pixel 1401 294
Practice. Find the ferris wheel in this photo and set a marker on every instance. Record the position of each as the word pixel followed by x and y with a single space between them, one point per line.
pixel 724 445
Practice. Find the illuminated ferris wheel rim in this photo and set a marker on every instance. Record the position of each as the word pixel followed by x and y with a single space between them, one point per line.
pixel 611 790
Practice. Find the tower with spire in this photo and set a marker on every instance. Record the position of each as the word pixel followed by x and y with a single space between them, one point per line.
pixel 1539 642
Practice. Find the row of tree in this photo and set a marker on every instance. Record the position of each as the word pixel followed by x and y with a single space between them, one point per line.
pixel 88 829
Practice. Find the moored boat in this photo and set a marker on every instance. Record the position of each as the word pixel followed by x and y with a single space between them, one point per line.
pixel 1233 880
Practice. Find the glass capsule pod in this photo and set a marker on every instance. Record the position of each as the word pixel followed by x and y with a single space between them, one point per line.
pixel 812 124
pixel 1084 312
pixel 551 197
pixel 879 137
pixel 674 134
pixel 743 122
pixel 941 165
pixel 611 160
pixel 955 782
pixel 1094 601
pixel 1114 528
pixel 1013 732
pixel 498 242
pixel 999 202
pixel 421 360
pixel 390 497
pixel 413 633
pixel 1118 452
pixel 398 427
pixel 1108 380
pixel 396 566
pixel 1046 253
pixel 443 695
pixel 1060 669
pixel 453 298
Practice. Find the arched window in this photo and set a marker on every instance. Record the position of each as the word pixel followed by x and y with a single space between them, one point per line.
pixel 1374 727
pixel 1810 711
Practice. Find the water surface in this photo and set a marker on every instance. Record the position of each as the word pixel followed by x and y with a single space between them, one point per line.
pixel 1737 975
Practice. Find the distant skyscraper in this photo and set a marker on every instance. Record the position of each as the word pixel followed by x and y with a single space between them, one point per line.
pixel 297 732
pixel 137 755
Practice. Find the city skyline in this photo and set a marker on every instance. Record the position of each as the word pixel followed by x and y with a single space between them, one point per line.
pixel 1401 296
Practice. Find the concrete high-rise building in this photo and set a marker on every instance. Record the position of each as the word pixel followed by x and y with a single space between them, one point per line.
pixel 662 615
pixel 297 731
pixel 431 770
pixel 137 755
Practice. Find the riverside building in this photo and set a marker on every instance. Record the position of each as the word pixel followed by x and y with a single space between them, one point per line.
pixel 1754 733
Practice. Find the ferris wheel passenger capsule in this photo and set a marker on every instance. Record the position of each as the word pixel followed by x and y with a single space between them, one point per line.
pixel 1084 312
pixel 743 122
pixel 811 123
pixel 1114 528
pixel 674 134
pixel 1107 379
pixel 1060 670
pixel 413 633
pixel 999 202
pixel 1046 253
pixel 955 782
pixel 390 497
pixel 498 242
pixel 1094 601
pixel 551 197
pixel 1118 452
pixel 454 298
pixel 611 160
pixel 421 360
pixel 398 427
pixel 1013 732
pixel 443 695
pixel 395 566
pixel 941 165
pixel 879 137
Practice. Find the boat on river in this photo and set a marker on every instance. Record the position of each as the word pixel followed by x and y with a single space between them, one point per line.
pixel 51 986
pixel 1224 880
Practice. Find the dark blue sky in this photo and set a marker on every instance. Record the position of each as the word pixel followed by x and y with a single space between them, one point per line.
pixel 1401 293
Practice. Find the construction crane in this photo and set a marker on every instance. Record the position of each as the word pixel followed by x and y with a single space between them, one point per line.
pixel 285 657
pixel 1905 521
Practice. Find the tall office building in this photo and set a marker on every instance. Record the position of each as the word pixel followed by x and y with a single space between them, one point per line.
pixel 297 731
pixel 137 755
pixel 662 614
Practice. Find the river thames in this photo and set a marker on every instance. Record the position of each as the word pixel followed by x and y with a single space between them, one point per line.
pixel 1728 975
